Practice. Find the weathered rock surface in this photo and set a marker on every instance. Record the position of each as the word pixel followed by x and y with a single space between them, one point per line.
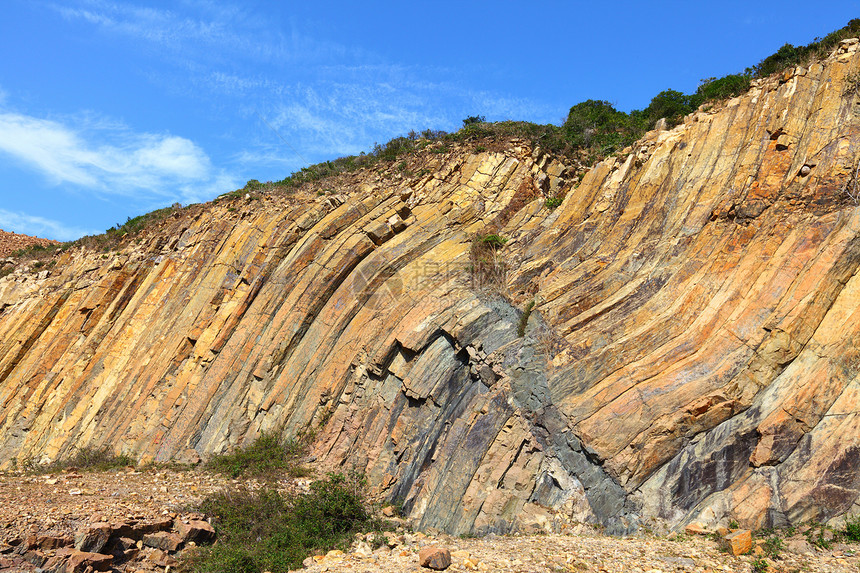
pixel 739 542
pixel 692 353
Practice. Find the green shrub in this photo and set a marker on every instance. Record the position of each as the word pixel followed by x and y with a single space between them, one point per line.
pixel 267 456
pixel 852 528
pixel 789 55
pixel 671 104
pixel 598 126
pixel 726 87
pixel 265 531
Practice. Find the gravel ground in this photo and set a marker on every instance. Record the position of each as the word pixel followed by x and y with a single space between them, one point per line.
pixel 63 504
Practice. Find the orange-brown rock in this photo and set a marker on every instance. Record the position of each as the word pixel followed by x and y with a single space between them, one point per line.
pixel 691 354
pixel 739 542
pixel 434 557
pixel 195 530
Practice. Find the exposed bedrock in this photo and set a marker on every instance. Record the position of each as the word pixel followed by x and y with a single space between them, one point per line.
pixel 691 350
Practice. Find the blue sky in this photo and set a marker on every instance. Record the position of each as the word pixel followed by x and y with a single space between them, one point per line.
pixel 110 109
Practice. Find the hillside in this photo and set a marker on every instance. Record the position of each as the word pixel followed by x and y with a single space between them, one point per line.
pixel 12 242
pixel 676 340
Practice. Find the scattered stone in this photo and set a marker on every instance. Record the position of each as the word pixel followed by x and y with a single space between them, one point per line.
pixel 389 511
pixel 124 543
pixel 392 540
pixel 362 549
pixel 162 559
pixel 799 545
pixel 188 456
pixel 695 528
pixel 434 557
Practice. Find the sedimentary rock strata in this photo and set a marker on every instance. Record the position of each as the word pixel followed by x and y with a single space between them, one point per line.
pixel 691 353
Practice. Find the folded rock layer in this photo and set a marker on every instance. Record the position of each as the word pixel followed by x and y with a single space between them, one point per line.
pixel 677 340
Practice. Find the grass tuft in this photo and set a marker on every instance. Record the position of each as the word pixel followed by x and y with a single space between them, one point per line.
pixel 83 459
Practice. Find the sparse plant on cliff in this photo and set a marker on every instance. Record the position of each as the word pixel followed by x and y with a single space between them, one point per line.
pixel 819 535
pixel 267 531
pixel 267 456
pixel 553 202
pixel 852 185
pixel 773 546
pixel 487 266
pixel 37 255
pixel 524 319
pixel 852 84
pixel 494 241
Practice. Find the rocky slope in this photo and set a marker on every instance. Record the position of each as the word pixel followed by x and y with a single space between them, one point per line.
pixel 691 353
pixel 11 242
pixel 139 522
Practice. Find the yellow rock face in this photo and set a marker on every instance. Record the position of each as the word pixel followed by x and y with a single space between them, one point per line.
pixel 691 352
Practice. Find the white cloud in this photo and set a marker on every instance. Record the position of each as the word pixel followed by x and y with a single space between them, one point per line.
pixel 205 29
pixel 339 99
pixel 40 227
pixel 163 166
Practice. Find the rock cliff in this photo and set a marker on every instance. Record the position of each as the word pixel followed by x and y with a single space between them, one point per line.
pixel 677 340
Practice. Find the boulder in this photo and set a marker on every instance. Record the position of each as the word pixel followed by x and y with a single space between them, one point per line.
pixel 93 538
pixel 739 542
pixel 163 540
pixel 695 528
pixel 434 557
pixel 196 530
